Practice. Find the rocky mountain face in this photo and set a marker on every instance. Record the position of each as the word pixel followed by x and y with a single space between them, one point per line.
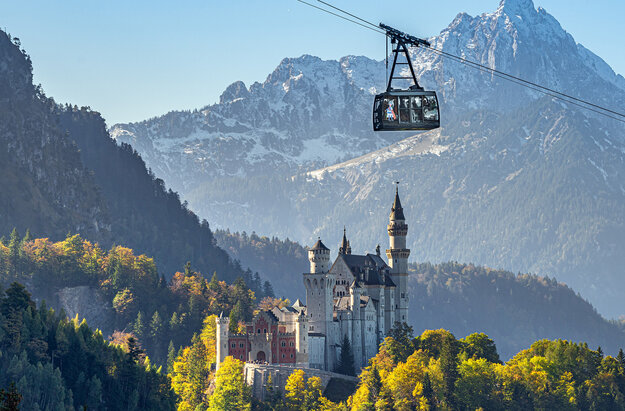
pixel 512 179
pixel 307 113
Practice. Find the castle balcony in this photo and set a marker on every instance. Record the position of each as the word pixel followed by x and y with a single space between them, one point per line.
pixel 398 253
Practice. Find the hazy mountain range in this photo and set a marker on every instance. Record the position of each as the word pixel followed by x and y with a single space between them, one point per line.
pixel 512 179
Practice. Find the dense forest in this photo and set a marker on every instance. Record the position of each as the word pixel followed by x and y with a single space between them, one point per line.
pixel 432 371
pixel 514 309
pixel 437 371
pixel 48 362
pixel 132 297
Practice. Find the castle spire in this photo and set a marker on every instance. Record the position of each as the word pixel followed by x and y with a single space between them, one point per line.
pixel 343 248
pixel 397 211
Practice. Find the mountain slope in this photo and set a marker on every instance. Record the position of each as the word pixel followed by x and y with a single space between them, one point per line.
pixel 61 172
pixel 308 112
pixel 512 179
pixel 45 187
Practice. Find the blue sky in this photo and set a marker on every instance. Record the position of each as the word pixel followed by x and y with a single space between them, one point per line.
pixel 137 59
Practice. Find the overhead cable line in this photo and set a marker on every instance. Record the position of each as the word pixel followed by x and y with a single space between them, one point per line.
pixel 341 17
pixel 500 74
pixel 486 70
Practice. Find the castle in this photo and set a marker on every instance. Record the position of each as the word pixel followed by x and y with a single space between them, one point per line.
pixel 360 296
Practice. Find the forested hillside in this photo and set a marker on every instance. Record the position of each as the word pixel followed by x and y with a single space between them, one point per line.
pixel 437 371
pixel 61 364
pixel 129 296
pixel 61 172
pixel 514 309
pixel 283 261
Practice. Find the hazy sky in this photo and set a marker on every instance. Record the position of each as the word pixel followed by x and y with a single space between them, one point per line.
pixel 136 59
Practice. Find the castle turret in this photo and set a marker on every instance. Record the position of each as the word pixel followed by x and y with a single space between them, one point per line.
pixel 358 331
pixel 320 296
pixel 398 258
pixel 301 345
pixel 223 325
pixel 319 257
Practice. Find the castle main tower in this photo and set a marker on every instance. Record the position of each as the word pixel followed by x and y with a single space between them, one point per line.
pixel 398 258
pixel 319 284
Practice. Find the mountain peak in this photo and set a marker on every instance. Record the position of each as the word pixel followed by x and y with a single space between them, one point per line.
pixel 234 91
pixel 517 7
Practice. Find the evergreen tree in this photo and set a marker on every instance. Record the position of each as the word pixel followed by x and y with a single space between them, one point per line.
pixel 156 327
pixel 401 345
pixel 268 289
pixel 346 361
pixel 139 326
pixel 621 359
pixel 171 357
pixel 428 392
pixel 449 368
pixel 374 384
pixel 237 314
pixel 213 285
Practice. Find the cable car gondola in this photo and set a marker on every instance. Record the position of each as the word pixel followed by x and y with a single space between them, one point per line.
pixel 405 109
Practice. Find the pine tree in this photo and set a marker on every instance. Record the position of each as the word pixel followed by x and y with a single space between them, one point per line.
pixel 428 391
pixel 139 326
pixel 171 357
pixel 346 361
pixel 236 315
pixel 374 384
pixel 621 359
pixel 268 289
pixel 449 367
pixel 213 285
pixel 156 326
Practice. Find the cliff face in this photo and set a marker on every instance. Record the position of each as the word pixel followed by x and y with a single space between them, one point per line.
pixel 85 302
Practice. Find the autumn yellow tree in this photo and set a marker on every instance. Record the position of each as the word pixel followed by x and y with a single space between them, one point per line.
pixel 231 391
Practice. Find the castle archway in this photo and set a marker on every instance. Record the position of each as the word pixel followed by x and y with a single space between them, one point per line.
pixel 260 356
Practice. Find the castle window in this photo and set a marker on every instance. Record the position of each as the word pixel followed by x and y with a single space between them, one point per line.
pixel 240 345
pixel 259 331
pixel 265 330
pixel 233 345
pixel 291 355
pixel 291 343
pixel 283 344
pixel 283 356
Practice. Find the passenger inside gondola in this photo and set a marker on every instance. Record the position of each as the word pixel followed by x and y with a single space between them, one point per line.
pixel 390 109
